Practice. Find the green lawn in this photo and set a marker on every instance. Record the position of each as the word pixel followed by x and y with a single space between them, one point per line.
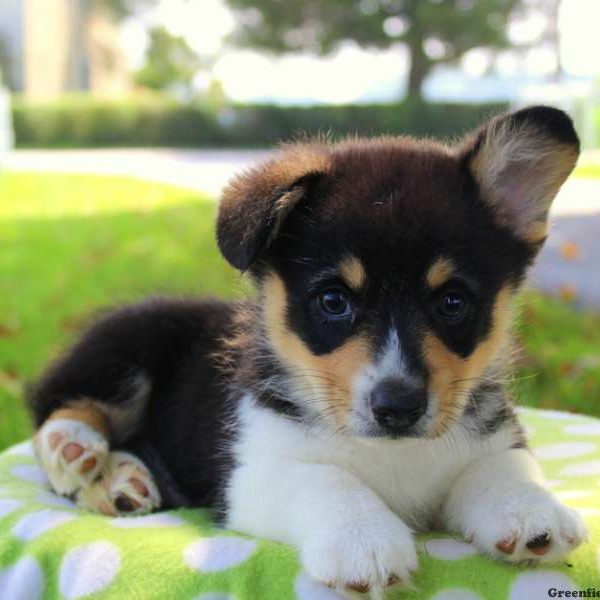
pixel 70 245
pixel 588 171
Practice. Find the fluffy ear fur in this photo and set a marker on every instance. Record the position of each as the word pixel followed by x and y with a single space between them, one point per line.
pixel 520 161
pixel 255 203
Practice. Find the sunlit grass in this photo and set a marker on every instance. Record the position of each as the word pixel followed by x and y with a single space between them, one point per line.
pixel 70 245
pixel 82 253
pixel 588 171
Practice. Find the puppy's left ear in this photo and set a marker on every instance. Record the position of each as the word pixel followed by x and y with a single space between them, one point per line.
pixel 520 161
pixel 255 204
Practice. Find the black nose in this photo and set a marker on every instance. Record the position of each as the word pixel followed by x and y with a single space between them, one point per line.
pixel 397 405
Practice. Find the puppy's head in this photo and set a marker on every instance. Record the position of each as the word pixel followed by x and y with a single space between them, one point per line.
pixel 387 267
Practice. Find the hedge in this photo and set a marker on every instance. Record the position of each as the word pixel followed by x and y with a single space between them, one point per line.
pixel 83 121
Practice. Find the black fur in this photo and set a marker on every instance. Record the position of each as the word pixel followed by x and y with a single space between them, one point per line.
pixel 188 419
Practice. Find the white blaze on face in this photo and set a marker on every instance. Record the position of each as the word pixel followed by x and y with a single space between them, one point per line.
pixel 389 364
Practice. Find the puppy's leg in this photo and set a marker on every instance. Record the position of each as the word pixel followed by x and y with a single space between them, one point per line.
pixel 126 487
pixel 347 536
pixel 72 446
pixel 500 503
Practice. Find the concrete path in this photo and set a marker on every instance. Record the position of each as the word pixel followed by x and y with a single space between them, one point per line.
pixel 203 170
pixel 569 265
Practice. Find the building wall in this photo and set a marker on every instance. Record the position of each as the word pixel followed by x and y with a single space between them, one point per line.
pixel 109 73
pixel 48 31
pixel 11 34
pixel 55 48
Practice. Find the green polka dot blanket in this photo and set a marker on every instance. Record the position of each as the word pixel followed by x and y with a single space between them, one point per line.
pixel 50 550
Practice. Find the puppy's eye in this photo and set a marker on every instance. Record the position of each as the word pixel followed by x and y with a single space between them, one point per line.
pixel 335 304
pixel 452 306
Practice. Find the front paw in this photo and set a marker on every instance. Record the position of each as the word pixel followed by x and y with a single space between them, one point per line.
pixel 523 522
pixel 362 556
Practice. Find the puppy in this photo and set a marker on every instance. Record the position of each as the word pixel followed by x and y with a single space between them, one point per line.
pixel 359 397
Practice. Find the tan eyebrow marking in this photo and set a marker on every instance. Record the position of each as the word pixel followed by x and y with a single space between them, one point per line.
pixel 353 272
pixel 440 272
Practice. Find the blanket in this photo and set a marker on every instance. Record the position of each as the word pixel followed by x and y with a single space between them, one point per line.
pixel 51 550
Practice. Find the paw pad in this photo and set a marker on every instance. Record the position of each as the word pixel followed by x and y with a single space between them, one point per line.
pixel 507 546
pixel 359 586
pixel 71 452
pixel 539 545
pixel 126 488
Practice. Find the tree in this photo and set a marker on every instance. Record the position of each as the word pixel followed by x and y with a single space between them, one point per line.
pixel 435 31
pixel 548 34
pixel 119 9
pixel 170 63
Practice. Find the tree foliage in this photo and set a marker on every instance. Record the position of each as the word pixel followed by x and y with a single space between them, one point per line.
pixel 120 8
pixel 171 63
pixel 435 31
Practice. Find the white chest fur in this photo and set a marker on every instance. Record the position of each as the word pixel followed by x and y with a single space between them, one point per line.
pixel 411 476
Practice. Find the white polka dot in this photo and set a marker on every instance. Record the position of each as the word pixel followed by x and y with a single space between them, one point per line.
pixel 535 584
pixel 456 594
pixel 23 580
pixel 37 523
pixel 217 554
pixel 586 468
pixel 7 505
pixel 564 450
pixel 54 500
pixel 158 520
pixel 557 415
pixel 591 428
pixel 308 589
pixel 22 449
pixel 88 569
pixel 448 549
pixel 31 473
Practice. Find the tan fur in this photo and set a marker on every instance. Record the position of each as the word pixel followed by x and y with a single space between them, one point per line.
pixel 277 174
pixel 452 377
pixel 86 412
pixel 536 233
pixel 353 273
pixel 236 344
pixel 324 379
pixel 440 272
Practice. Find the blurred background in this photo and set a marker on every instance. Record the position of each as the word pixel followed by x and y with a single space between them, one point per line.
pixel 121 120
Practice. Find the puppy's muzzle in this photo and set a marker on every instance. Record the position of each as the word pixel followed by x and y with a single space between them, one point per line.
pixel 397 406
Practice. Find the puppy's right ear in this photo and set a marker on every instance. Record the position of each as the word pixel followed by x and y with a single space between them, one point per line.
pixel 255 203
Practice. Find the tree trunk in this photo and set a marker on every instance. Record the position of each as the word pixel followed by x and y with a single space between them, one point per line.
pixel 419 63
pixel 419 68
pixel 553 37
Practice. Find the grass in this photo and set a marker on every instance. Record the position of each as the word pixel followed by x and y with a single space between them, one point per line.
pixel 559 366
pixel 588 171
pixel 71 245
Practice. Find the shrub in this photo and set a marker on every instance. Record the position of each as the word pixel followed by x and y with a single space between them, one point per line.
pixel 82 121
